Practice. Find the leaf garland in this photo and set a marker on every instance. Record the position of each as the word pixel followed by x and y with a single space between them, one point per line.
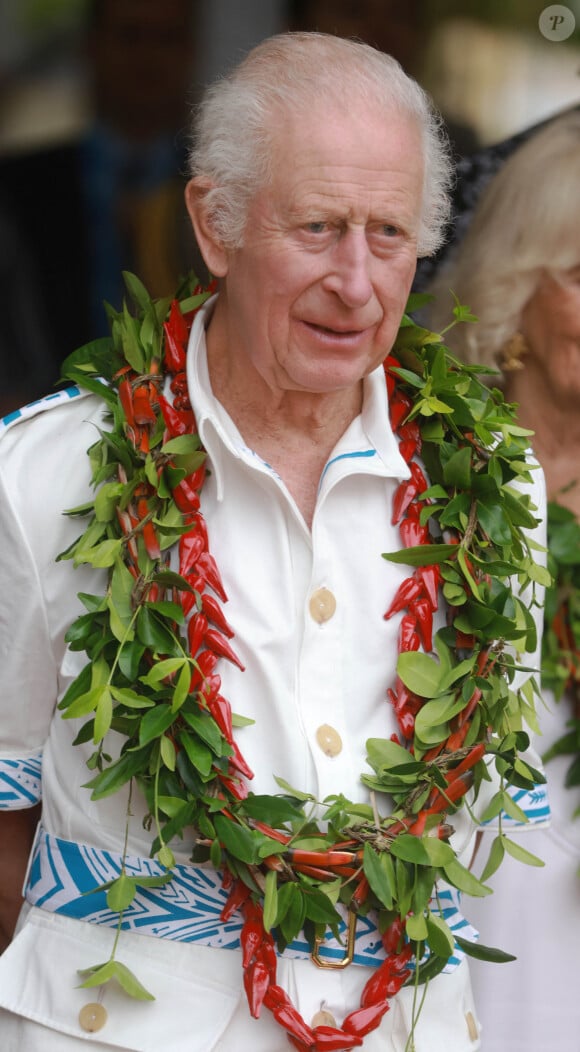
pixel 561 638
pixel 152 651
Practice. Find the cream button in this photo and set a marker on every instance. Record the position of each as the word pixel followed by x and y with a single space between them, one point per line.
pixel 323 1018
pixel 322 605
pixel 329 740
pixel 471 1026
pixel 92 1017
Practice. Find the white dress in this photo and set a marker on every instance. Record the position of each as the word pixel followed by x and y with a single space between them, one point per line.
pixel 533 1004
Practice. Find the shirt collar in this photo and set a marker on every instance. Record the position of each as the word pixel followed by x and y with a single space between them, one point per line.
pixel 369 440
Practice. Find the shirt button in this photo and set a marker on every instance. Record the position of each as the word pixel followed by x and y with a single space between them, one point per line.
pixel 329 740
pixel 323 1018
pixel 322 605
pixel 92 1017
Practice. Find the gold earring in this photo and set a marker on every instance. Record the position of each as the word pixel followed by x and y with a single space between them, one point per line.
pixel 510 355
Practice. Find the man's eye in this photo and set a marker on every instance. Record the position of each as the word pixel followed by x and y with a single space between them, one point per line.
pixel 388 230
pixel 316 227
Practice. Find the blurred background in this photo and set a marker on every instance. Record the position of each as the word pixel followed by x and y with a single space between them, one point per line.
pixel 94 104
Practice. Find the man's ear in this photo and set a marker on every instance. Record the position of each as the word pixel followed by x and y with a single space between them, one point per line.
pixel 210 245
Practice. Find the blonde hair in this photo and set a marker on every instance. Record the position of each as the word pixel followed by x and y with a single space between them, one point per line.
pixel 527 222
pixel 235 125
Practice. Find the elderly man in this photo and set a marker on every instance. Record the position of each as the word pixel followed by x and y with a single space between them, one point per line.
pixel 318 177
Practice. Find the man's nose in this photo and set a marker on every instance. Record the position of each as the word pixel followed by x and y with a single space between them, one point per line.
pixel 349 275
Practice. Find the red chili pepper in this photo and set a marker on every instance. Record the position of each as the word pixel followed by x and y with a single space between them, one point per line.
pixel 392 937
pixel 238 762
pixel 179 384
pixel 191 545
pixel 430 577
pixel 176 422
pixel 210 688
pixel 410 431
pixel 199 526
pixel 126 400
pixel 287 1015
pixel 422 611
pixel 237 896
pixel 364 1020
pixel 235 786
pixel 329 1039
pixel 406 491
pixel 387 980
pixel 256 982
pixel 399 407
pixel 143 411
pixel 207 567
pixel 252 931
pixel 411 588
pixel 267 954
pixel 408 636
pixel 206 662
pixel 176 334
pixel 273 834
pixel 221 711
pixel 214 612
pixel 322 858
pixel 360 893
pixel 412 533
pixel 147 529
pixel 196 630
pixel 219 644
pixel 186 495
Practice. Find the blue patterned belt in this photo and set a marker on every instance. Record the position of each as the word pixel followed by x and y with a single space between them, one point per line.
pixel 63 876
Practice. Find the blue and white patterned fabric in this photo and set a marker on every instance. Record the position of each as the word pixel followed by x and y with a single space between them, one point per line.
pixel 40 405
pixel 20 783
pixel 533 802
pixel 63 877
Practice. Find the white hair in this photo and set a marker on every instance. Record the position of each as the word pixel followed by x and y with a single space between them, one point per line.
pixel 526 223
pixel 235 125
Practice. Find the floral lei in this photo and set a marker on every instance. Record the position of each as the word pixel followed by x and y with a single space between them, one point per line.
pixel 155 639
pixel 561 638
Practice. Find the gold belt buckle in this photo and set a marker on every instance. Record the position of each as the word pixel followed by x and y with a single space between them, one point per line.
pixel 349 951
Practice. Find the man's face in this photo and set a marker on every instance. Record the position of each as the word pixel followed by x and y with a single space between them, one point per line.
pixel 315 295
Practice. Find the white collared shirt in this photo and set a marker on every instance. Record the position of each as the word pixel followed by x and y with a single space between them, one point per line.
pixel 306 682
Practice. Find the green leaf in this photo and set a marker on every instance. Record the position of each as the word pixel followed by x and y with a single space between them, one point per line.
pixel 155 722
pixel 130 983
pixel 518 852
pixel 483 953
pixel 379 872
pixel 103 715
pixel 440 936
pixel 137 291
pixel 422 555
pixel 237 840
pixel 101 555
pixel 121 893
pixel 439 852
pixel 495 858
pixel 154 633
pixel 270 900
pixel 410 849
pixel 198 754
pixel 457 470
pixel 273 810
pixel 163 669
pixel 416 927
pixel 462 879
pixel 167 751
pixel 420 673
